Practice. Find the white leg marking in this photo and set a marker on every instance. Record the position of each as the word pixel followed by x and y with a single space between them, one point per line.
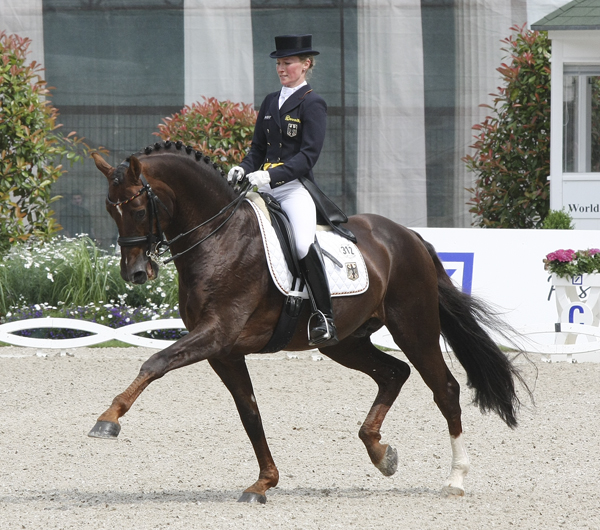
pixel 460 467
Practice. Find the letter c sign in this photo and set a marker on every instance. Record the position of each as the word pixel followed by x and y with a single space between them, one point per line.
pixel 577 313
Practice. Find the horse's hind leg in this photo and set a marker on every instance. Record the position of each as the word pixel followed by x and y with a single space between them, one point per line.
pixel 390 374
pixel 236 378
pixel 446 394
pixel 423 351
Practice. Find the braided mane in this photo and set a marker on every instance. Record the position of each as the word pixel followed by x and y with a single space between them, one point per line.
pixel 176 148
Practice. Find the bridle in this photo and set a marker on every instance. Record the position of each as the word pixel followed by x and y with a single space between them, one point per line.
pixel 158 244
pixel 154 241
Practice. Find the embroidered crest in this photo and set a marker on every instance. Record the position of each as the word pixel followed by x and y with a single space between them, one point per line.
pixel 292 129
pixel 352 271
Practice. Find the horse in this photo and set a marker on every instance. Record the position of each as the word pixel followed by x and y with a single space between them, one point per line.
pixel 230 306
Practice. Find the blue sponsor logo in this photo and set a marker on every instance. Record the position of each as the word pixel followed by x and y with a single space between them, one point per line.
pixel 459 266
pixel 577 280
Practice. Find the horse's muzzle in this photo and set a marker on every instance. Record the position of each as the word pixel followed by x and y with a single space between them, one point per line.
pixel 139 271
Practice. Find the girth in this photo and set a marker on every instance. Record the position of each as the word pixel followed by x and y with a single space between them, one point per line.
pixel 293 303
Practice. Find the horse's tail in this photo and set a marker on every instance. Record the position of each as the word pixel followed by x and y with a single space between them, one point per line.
pixel 490 373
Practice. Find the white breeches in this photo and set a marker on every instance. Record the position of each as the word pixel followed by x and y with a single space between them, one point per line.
pixel 297 203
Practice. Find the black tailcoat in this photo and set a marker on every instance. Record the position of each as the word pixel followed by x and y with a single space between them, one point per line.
pixel 289 138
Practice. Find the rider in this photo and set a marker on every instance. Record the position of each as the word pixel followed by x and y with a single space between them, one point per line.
pixel 287 141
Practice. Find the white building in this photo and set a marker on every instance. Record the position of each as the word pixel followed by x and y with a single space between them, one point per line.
pixel 575 111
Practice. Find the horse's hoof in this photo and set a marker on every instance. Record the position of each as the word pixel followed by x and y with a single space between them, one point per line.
pixel 389 463
pixel 105 429
pixel 251 497
pixel 452 491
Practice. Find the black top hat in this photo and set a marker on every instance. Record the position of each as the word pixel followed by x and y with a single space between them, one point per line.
pixel 288 45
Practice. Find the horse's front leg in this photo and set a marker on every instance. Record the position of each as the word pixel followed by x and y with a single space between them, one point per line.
pixel 182 353
pixel 235 376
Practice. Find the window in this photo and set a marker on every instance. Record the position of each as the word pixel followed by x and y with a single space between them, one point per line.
pixel 581 119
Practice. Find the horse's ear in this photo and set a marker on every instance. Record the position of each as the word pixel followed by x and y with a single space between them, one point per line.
pixel 134 171
pixel 104 167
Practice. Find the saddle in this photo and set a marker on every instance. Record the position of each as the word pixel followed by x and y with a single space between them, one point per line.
pixel 294 301
pixel 327 211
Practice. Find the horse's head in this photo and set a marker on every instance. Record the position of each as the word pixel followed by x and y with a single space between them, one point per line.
pixel 132 204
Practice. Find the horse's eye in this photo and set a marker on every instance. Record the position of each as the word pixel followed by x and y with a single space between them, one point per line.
pixel 140 214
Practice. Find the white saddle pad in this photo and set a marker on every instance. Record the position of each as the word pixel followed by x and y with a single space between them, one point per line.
pixel 349 279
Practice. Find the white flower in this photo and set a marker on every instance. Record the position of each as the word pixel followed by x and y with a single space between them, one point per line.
pixel 50 277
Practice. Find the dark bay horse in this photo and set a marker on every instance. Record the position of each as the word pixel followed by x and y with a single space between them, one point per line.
pixel 230 305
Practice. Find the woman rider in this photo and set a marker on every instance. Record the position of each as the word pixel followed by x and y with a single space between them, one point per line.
pixel 287 141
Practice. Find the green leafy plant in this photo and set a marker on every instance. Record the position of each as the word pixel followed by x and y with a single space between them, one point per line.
pixel 74 273
pixel 567 262
pixel 558 220
pixel 512 158
pixel 222 130
pixel 31 147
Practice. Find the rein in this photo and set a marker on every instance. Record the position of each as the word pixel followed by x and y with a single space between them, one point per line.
pixel 157 241
pixel 235 204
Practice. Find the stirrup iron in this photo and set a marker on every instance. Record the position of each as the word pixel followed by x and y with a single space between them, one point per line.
pixel 328 330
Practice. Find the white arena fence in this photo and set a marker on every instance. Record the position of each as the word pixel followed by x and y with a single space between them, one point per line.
pixel 586 350
pixel 100 333
pixel 544 340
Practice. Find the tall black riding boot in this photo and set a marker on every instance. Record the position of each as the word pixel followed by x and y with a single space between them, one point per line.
pixel 321 329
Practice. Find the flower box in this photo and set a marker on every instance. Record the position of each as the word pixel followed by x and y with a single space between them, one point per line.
pixel 570 264
pixel 575 276
pixel 587 280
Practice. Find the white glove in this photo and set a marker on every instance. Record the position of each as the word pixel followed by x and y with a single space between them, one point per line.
pixel 235 173
pixel 259 178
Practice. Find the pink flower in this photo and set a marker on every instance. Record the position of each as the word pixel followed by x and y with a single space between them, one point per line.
pixel 562 255
pixel 593 251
